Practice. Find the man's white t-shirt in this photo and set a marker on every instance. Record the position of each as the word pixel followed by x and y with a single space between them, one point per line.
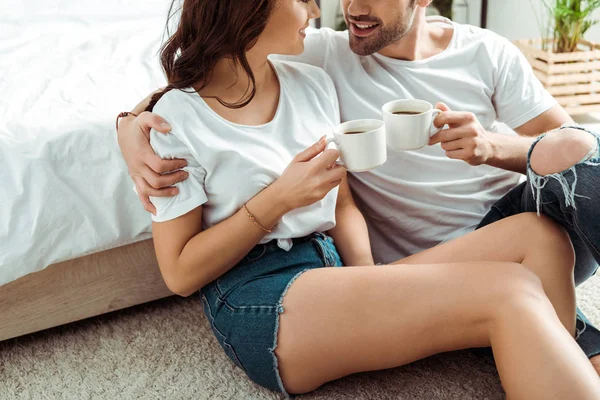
pixel 421 198
pixel 229 163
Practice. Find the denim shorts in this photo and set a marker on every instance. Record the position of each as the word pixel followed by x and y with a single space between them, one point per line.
pixel 243 306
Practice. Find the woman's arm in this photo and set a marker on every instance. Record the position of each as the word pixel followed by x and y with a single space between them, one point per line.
pixel 190 258
pixel 350 233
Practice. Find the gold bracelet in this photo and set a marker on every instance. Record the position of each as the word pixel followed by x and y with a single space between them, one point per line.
pixel 254 221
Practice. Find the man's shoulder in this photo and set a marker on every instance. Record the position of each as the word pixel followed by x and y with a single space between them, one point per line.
pixel 483 46
pixel 470 35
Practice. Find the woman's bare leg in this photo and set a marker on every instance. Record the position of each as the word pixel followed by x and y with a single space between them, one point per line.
pixel 339 321
pixel 535 242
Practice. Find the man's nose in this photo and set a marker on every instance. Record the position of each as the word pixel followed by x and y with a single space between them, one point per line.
pixel 356 8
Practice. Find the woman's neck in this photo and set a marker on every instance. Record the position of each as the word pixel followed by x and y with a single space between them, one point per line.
pixel 230 82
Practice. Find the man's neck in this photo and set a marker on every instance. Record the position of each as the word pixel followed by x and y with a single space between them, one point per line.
pixel 423 41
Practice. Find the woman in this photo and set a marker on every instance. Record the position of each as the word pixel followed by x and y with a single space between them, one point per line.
pixel 247 230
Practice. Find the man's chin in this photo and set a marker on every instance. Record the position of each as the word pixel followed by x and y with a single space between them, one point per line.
pixel 360 47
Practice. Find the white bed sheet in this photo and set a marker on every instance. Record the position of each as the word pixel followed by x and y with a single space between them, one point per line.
pixel 67 67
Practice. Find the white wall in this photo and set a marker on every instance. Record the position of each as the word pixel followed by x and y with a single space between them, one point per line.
pixel 328 12
pixel 515 19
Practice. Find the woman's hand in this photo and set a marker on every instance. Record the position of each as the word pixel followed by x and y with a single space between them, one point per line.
pixel 310 176
pixel 149 172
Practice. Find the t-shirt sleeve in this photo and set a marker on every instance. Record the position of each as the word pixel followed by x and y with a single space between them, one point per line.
pixel 175 145
pixel 519 96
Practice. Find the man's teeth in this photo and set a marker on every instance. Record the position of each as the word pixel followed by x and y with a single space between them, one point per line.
pixel 365 26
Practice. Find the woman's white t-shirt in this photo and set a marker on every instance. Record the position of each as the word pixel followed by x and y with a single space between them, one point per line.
pixel 230 163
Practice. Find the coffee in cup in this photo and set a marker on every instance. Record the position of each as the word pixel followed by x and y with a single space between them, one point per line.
pixel 361 143
pixel 407 113
pixel 409 123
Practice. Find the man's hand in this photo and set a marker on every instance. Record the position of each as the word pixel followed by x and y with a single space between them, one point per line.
pixel 465 139
pixel 152 175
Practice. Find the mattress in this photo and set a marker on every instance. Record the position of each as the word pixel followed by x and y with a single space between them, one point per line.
pixel 66 69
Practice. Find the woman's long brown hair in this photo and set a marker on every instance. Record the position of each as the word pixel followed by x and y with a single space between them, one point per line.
pixel 208 31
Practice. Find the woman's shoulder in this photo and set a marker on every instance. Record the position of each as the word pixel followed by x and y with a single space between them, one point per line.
pixel 182 111
pixel 176 102
pixel 300 74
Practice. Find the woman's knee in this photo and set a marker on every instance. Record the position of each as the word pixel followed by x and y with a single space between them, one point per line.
pixel 521 292
pixel 561 149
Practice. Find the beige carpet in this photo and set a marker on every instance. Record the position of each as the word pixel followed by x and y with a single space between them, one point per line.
pixel 165 350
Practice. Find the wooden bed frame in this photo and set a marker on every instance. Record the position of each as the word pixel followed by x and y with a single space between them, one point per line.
pixel 81 288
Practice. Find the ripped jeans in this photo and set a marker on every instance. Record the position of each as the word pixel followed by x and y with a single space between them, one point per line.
pixel 571 198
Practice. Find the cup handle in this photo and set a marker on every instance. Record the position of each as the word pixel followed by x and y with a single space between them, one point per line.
pixel 433 130
pixel 338 161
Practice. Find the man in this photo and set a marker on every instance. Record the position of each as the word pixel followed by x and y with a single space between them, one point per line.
pixel 421 198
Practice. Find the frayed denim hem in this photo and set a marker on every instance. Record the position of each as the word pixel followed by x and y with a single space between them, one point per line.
pixel 538 182
pixel 280 311
pixel 587 336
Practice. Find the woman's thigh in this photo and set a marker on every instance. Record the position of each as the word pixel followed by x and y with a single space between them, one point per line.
pixel 340 321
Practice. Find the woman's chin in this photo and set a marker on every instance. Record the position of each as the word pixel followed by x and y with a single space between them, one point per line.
pixel 297 50
pixel 292 49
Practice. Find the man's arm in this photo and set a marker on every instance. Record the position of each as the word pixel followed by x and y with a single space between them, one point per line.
pixel 552 119
pixel 467 140
pixel 520 101
pixel 149 172
pixel 510 152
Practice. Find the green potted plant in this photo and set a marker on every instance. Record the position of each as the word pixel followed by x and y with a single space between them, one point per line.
pixel 569 20
pixel 566 64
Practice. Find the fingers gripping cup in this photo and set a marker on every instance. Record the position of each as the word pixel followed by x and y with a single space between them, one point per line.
pixel 409 123
pixel 361 143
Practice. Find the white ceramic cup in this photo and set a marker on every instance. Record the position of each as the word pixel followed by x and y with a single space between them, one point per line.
pixel 363 151
pixel 409 132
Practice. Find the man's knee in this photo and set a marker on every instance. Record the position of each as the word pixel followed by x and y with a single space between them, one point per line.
pixel 560 150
